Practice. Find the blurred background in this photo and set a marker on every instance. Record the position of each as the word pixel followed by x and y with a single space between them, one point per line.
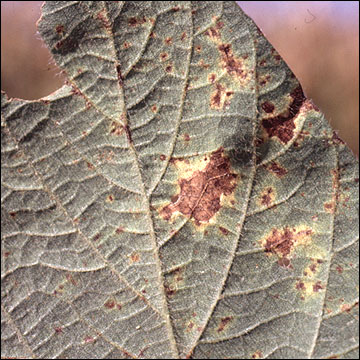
pixel 319 40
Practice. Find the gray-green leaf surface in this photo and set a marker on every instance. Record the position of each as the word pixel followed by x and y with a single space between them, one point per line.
pixel 178 197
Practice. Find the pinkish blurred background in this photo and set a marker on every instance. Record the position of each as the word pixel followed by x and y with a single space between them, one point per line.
pixel 319 40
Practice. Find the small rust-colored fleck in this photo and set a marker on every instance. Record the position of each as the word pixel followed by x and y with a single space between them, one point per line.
pixel 162 157
pixel 163 56
pixel 223 322
pixel 223 230
pixel 89 339
pixel 339 269
pixel 329 207
pixel 60 29
pixel 212 78
pixel 116 128
pixel 257 355
pixel 276 169
pixel 120 230
pixel 186 137
pixel 168 40
pixel 110 304
pixel 267 197
pixel 135 257
pixel 300 285
pixel 135 21
pixel 317 286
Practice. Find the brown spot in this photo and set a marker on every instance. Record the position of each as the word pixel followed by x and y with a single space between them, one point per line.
pixel 60 29
pixel 220 97
pixel 110 304
pixel 262 63
pixel 12 214
pixel 203 64
pixel 154 108
pixel 58 330
pixel 267 197
pixel 135 21
pixel 186 137
pixel 200 193
pixel 282 126
pixel 348 307
pixel 7 253
pixel 198 48
pixel 213 33
pixel 317 286
pixel 168 40
pixel 219 25
pixel 276 169
pixel 339 269
pixel 134 258
pixel 257 355
pixel 170 292
pixel 223 230
pixel 89 339
pixel 300 285
pixel 90 166
pixel 119 76
pixel 312 268
pixel 162 157
pixel 284 262
pixel 70 279
pixel 120 230
pixel 223 322
pixel 116 128
pixel 128 133
pixel 126 45
pixel 281 242
pixel 163 56
pixel 232 65
pixel 104 19
pixel 183 36
pixel 110 198
pixel 175 9
pixel 152 35
pixel 168 68
pixel 329 207
pixel 268 107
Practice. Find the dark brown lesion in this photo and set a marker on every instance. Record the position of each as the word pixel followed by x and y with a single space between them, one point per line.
pixel 224 322
pixel 276 169
pixel 200 194
pixel 282 242
pixel 282 126
pixel 233 65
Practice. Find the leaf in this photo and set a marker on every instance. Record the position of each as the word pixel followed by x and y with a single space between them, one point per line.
pixel 178 197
